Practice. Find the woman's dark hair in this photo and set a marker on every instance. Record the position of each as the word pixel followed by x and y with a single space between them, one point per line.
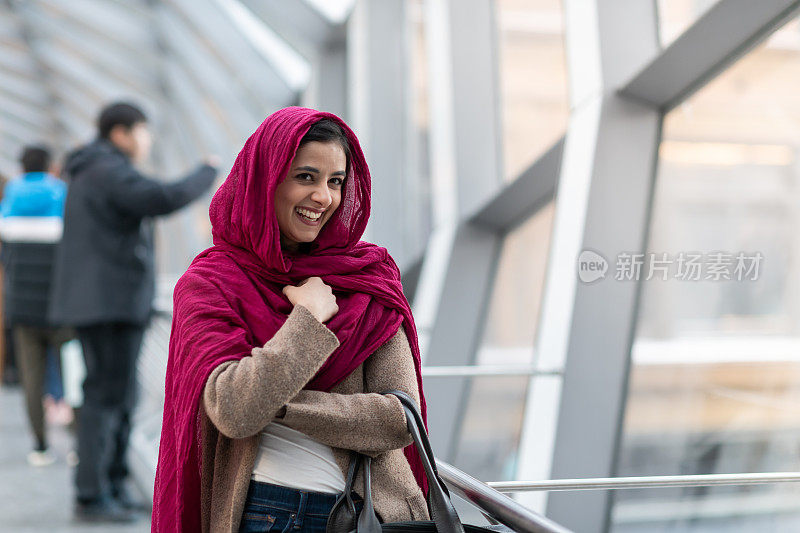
pixel 35 158
pixel 326 130
pixel 118 114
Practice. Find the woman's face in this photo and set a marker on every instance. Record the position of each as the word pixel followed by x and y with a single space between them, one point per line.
pixel 310 193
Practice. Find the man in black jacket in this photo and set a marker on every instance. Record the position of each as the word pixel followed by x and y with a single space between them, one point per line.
pixel 104 284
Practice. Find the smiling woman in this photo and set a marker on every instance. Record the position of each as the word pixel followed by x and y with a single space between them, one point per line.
pixel 284 331
pixel 311 191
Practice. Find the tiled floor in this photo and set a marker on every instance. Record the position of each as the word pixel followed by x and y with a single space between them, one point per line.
pixel 38 499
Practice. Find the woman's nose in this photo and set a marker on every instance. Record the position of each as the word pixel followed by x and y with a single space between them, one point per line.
pixel 322 195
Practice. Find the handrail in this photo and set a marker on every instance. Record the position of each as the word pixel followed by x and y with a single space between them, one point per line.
pixel 611 483
pixel 448 371
pixel 498 506
pixel 162 308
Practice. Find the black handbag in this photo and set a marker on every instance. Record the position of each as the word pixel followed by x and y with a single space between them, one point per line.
pixel 344 518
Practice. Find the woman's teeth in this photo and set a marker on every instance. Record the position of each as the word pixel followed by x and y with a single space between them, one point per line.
pixel 311 215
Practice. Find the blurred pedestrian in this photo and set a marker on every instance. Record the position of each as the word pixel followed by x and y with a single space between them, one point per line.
pixel 30 228
pixel 104 286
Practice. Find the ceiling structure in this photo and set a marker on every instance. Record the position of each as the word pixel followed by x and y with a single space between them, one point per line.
pixel 206 72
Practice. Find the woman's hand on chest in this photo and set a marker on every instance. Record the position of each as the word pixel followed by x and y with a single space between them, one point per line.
pixel 315 295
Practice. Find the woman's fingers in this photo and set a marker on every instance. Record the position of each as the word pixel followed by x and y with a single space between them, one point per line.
pixel 316 295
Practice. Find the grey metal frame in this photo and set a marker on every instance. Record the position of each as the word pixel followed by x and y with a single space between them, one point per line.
pixel 378 109
pixel 322 42
pixel 461 259
pixel 621 83
pixel 728 30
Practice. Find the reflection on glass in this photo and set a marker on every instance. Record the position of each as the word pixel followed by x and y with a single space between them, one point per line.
pixel 674 16
pixel 491 429
pixel 490 432
pixel 715 381
pixel 533 79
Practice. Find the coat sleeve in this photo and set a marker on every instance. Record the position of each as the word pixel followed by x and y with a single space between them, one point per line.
pixel 139 196
pixel 241 397
pixel 368 422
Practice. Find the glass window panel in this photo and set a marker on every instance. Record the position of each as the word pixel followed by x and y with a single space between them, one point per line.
pixel 516 296
pixel 675 16
pixel 533 79
pixel 715 380
pixel 650 519
pixel 490 433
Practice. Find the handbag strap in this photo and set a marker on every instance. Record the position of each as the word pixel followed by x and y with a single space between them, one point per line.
pixel 367 520
pixel 443 512
pixel 342 518
pixel 411 407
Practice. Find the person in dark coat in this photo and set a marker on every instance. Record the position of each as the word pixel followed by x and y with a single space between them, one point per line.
pixel 104 284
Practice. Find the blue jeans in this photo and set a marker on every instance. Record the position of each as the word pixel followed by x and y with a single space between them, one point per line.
pixel 280 509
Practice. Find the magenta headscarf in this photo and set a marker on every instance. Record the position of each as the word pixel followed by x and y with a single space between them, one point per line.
pixel 230 299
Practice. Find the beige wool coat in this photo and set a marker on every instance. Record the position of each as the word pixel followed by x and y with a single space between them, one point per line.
pixel 241 397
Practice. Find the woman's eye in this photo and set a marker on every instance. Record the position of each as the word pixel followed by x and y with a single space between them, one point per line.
pixel 337 181
pixel 303 177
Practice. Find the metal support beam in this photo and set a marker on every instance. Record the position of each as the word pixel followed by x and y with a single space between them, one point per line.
pixel 174 153
pixel 61 63
pixel 719 37
pixel 241 112
pixel 460 263
pixel 322 43
pixel 116 20
pixel 524 196
pixel 615 220
pixel 472 48
pixel 299 24
pixel 131 69
pixel 457 329
pixel 379 103
pixel 603 204
pixel 245 61
pixel 327 89
pixel 25 24
pixel 26 115
pixel 27 90
pixel 14 60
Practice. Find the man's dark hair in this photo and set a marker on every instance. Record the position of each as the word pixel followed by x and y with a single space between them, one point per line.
pixel 118 114
pixel 326 130
pixel 35 158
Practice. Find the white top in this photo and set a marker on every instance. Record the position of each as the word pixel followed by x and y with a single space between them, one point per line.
pixel 293 459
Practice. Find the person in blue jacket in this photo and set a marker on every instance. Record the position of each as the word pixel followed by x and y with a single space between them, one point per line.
pixel 36 193
pixel 30 228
